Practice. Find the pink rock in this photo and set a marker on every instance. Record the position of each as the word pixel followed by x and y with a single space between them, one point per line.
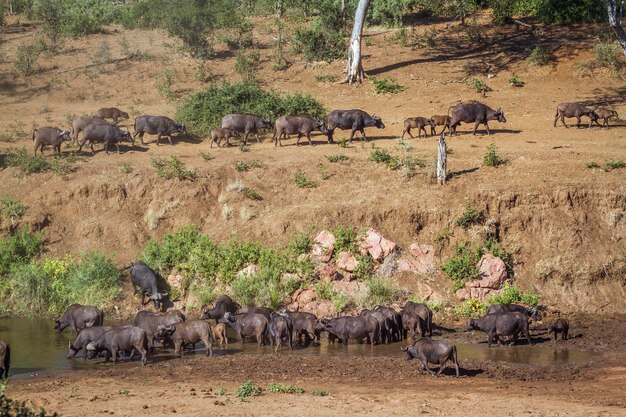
pixel 406 263
pixel 424 256
pixel 492 272
pixel 306 296
pixel 323 246
pixel 325 309
pixel 249 270
pixel 346 261
pixel 310 307
pixel 347 287
pixel 325 272
pixel 376 245
pixel 174 281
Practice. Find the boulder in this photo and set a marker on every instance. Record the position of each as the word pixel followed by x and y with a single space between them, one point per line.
pixel 346 261
pixel 424 257
pixel 305 296
pixel 376 245
pixel 249 270
pixel 326 272
pixel 323 246
pixel 492 271
pixel 175 281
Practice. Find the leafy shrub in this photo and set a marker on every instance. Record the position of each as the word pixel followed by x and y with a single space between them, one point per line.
pixel 380 156
pixel 380 289
pixel 12 209
pixel 470 216
pixel 319 43
pixel 606 55
pixel 251 194
pixel 478 85
pixel 516 81
pixel 207 156
pixel 611 165
pixel 471 309
pixel 302 181
pixel 247 64
pixel 239 34
pixel 510 294
pixel 491 157
pixel 338 157
pixel 300 243
pixel 386 86
pixel 326 78
pixel 320 393
pixel 172 168
pixel 461 267
pixel 248 389
pixel 205 109
pixel 345 239
pixel 18 249
pixel 26 59
pixel 73 17
pixel 531 299
pixel 165 83
pixel 566 12
pixel 275 388
pixel 243 166
pixel 539 56
pixel 364 267
pixel 593 165
pixel 343 143
pixel 28 164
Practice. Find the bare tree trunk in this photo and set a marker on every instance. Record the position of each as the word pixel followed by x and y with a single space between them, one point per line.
pixel 355 66
pixel 615 9
pixel 442 160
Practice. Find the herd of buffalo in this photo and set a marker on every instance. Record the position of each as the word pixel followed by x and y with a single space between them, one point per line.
pixel 377 326
pixel 96 129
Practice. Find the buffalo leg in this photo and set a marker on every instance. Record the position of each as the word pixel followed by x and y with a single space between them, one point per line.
pixel 475 127
pixel 564 335
pixel 556 117
pixel 93 152
pixel 298 140
pixel 258 140
pixel 330 135
pixel 528 337
pixel 352 134
pixel 441 368
pixel 169 138
pixel 158 139
pixel 80 145
pixel 364 137
pixel 578 122
pixel 209 347
pixel 407 130
pixel 308 136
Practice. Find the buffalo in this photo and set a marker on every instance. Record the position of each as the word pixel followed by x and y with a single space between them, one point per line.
pixel 264 311
pixel 385 329
pixel 246 124
pixel 420 124
pixel 560 325
pixel 358 328
pixel 425 315
pixel 118 340
pixel 432 351
pixel 184 333
pixel 143 277
pixel 112 113
pixel 219 133
pixel 351 119
pixel 85 337
pixel 502 324
pixel 222 305
pixel 606 114
pixel 476 113
pixel 532 312
pixel 106 134
pixel 302 125
pixel 394 321
pixel 280 327
pixel 50 136
pixel 576 110
pixel 304 324
pixel 78 317
pixel 219 333
pixel 411 324
pixel 157 125
pixel 150 322
pixel 5 359
pixel 81 122
pixel 247 325
pixel 440 121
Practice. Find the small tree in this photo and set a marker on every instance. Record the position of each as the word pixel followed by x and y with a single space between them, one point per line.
pixel 615 9
pixel 355 66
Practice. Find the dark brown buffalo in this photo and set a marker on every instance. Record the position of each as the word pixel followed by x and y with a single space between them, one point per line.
pixel 385 330
pixel 219 133
pixel 78 317
pixel 304 324
pixel 357 328
pixel 81 122
pixel 184 333
pixel 559 326
pixel 106 134
pixel 248 325
pixel 222 305
pixel 353 120
pixel 440 121
pixel 502 324
pixel 112 113
pixel 418 123
pixel 432 351
pixel 86 336
pixel 157 125
pixel 150 322
pixel 531 312
pixel 264 311
pixel 144 278
pixel 118 340
pixel 411 324
pixel 476 113
pixel 606 114
pixel 5 359
pixel 50 136
pixel 394 321
pixel 576 110
pixel 280 327
pixel 302 125
pixel 425 315
pixel 246 124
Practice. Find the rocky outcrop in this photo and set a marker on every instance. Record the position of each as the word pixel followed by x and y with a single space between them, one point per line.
pixel 323 246
pixel 493 274
pixel 346 261
pixel 376 245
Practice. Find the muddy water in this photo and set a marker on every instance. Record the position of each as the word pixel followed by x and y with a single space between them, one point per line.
pixel 36 347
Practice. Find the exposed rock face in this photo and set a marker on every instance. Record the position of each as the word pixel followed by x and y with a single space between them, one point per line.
pixel 346 261
pixel 424 256
pixel 326 272
pixel 376 245
pixel 493 273
pixel 323 247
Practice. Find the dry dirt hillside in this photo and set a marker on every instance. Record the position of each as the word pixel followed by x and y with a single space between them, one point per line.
pixel 566 222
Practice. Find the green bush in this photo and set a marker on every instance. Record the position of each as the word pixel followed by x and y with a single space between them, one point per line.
pixel 539 56
pixel 284 389
pixel 593 165
pixel 28 164
pixel 26 59
pixel 364 267
pixel 73 17
pixel 204 110
pixel 386 86
pixel 345 239
pixel 319 43
pixel 567 12
pixel 478 85
pixel 510 294
pixel 248 389
pixel 302 181
pixel 300 243
pixel 380 156
pixel 12 209
pixel 172 168
pixel 339 157
pixel 461 267
pixel 251 194
pixel 611 165
pixel 516 81
pixel 247 64
pixel 470 216
pixel 18 249
pixel 380 290
pixel 471 309
pixel 491 157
